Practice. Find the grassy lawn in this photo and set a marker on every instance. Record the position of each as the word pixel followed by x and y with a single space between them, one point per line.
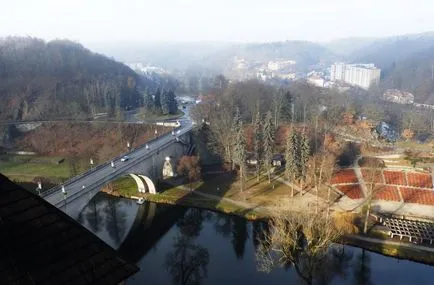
pixel 26 168
pixel 260 193
pixel 416 146
pixel 126 186
pixel 178 114
pixel 179 196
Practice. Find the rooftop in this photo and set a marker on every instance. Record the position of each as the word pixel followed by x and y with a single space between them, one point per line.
pixel 39 244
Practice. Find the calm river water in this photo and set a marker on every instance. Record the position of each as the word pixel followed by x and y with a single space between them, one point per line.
pixel 176 245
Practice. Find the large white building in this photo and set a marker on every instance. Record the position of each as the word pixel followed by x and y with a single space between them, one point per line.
pixel 361 75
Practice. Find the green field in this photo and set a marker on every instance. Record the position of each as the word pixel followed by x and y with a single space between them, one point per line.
pixel 25 168
pixel 126 186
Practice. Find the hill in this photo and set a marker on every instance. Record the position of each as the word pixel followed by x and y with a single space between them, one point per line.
pixel 347 46
pixel 386 52
pixel 414 74
pixel 209 57
pixel 303 52
pixel 60 79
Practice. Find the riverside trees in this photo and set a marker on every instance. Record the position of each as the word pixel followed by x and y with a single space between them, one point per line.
pixel 298 239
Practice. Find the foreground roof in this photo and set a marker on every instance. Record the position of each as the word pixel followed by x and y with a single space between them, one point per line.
pixel 39 244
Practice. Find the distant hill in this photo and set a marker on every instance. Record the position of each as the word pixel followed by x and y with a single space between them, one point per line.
pixel 386 52
pixel 348 46
pixel 304 53
pixel 216 57
pixel 413 74
pixel 60 79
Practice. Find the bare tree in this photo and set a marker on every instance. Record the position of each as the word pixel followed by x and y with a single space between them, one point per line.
pixel 373 177
pixel 189 165
pixel 320 171
pixel 298 239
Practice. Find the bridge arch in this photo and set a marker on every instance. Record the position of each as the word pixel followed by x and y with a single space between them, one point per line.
pixel 140 185
pixel 150 185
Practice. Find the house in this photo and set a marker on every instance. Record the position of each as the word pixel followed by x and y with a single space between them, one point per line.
pixel 278 160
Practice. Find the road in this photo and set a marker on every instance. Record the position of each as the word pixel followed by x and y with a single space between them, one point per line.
pixel 104 173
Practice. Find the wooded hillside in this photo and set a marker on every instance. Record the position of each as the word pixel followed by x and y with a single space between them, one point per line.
pixel 61 79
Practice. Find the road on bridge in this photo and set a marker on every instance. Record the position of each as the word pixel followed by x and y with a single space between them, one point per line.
pixel 102 174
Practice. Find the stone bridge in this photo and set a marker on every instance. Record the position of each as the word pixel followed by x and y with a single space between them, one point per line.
pixel 146 165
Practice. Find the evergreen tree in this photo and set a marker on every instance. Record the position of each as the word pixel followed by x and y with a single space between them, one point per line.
pixel 291 157
pixel 148 101
pixel 240 153
pixel 257 144
pixel 157 101
pixel 304 153
pixel 287 109
pixel 165 104
pixel 268 146
pixel 235 130
pixel 171 101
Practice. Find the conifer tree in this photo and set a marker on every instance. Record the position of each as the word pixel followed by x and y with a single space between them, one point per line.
pixel 165 103
pixel 171 101
pixel 149 101
pixel 239 149
pixel 157 101
pixel 257 144
pixel 291 170
pixel 268 146
pixel 304 152
pixel 235 130
pixel 287 109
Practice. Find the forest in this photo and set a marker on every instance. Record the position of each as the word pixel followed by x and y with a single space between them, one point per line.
pixel 61 79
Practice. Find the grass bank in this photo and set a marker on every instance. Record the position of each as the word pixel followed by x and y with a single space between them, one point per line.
pixel 224 189
pixel 178 195
pixel 25 168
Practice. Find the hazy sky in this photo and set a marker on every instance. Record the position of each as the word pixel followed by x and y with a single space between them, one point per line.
pixel 91 21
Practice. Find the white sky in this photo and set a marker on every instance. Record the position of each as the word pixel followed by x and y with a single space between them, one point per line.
pixel 93 21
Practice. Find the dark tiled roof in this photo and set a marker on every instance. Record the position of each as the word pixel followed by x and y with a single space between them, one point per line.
pixel 39 244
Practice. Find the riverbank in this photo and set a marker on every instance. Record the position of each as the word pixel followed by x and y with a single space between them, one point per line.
pixel 181 195
pixel 391 248
pixel 195 199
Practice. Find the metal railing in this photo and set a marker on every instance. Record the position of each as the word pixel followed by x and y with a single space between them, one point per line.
pixel 98 167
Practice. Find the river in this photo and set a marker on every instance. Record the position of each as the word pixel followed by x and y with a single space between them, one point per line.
pixel 177 245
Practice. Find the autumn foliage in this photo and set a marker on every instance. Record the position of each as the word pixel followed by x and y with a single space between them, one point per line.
pixel 189 166
pixel 408 134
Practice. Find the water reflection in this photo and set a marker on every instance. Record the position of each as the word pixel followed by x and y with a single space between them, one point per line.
pixel 109 218
pixel 239 236
pixel 187 262
pixel 176 245
pixel 362 270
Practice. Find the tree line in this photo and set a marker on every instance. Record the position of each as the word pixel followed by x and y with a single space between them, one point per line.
pixel 162 102
pixel 62 79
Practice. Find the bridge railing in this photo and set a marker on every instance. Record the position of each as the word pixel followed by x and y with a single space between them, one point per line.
pixel 92 170
pixel 91 186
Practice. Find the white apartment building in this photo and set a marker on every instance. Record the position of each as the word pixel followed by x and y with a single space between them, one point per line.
pixel 361 75
pixel 337 72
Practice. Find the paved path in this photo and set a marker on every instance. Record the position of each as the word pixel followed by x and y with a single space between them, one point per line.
pixel 245 205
